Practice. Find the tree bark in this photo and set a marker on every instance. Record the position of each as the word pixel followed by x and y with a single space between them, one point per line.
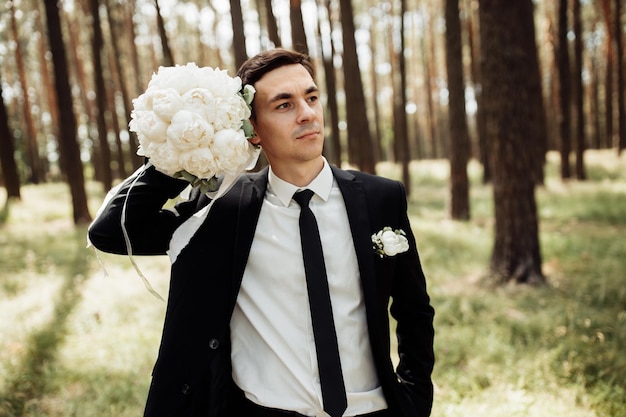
pixel 621 82
pixel 298 36
pixel 272 27
pixel 565 118
pixel 168 57
pixel 457 118
pixel 46 77
pixel 400 128
pixel 70 151
pixel 516 254
pixel 579 92
pixel 481 130
pixel 239 39
pixel 97 44
pixel 359 136
pixel 7 154
pixel 31 143
pixel 327 55
pixel 538 133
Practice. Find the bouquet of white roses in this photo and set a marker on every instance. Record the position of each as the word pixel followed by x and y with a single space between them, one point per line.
pixel 192 122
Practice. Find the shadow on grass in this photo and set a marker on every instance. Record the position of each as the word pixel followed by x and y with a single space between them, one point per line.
pixel 30 379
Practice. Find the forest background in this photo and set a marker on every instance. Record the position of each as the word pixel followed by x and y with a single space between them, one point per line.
pixel 506 99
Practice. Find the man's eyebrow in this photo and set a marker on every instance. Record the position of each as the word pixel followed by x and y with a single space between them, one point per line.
pixel 284 96
pixel 312 89
pixel 280 96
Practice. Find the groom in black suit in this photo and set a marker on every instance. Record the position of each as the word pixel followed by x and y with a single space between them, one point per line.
pixel 241 337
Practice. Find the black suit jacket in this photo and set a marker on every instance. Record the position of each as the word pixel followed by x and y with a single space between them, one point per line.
pixel 192 375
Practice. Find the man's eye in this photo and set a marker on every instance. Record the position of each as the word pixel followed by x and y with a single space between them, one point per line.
pixel 313 98
pixel 282 106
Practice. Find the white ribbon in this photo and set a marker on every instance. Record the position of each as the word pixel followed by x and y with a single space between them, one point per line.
pixel 129 250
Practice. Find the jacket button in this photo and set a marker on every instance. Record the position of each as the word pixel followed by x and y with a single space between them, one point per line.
pixel 185 389
pixel 214 344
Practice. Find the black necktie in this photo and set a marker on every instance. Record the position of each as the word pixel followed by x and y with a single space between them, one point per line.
pixel 331 377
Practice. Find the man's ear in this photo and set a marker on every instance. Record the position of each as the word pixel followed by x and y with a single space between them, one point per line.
pixel 254 139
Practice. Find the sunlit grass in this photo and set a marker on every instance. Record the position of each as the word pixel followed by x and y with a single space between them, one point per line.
pixel 79 332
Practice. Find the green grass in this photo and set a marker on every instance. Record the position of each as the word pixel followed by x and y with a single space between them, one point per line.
pixel 79 332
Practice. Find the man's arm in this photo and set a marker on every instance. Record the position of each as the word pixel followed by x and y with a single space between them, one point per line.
pixel 138 204
pixel 414 315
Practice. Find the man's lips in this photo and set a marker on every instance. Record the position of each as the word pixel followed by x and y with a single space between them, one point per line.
pixel 308 135
pixel 308 131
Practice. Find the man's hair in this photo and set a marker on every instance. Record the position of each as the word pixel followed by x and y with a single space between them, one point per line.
pixel 256 67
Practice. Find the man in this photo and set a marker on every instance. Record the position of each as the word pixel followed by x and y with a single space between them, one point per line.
pixel 239 338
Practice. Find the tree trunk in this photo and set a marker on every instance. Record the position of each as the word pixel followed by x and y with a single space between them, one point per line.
pixel 457 118
pixel 70 151
pixel 7 154
pixel 136 70
pixel 330 78
pixel 31 143
pixel 121 78
pixel 168 58
pixel 100 108
pixel 505 66
pixel 298 36
pixel 608 77
pixel 481 129
pixel 432 120
pixel 579 92
pixel 78 60
pixel 538 133
pixel 378 135
pixel 114 79
pixel 595 104
pixel 359 136
pixel 46 77
pixel 400 128
pixel 621 83
pixel 272 27
pixel 565 117
pixel 239 39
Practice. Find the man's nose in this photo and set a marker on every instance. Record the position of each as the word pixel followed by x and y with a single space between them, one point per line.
pixel 305 111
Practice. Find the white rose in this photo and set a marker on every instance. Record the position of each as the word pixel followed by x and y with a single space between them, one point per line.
pixel 164 157
pixel 219 82
pixel 180 78
pixel 149 125
pixel 231 149
pixel 232 111
pixel 189 130
pixel 141 103
pixel 390 242
pixel 201 101
pixel 393 243
pixel 165 102
pixel 199 162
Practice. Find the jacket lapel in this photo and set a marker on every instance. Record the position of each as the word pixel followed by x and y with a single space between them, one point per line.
pixel 250 203
pixel 358 215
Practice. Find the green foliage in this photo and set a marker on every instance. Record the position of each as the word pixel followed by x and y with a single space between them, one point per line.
pixel 79 332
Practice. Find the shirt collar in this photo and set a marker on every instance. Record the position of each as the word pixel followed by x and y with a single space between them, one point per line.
pixel 321 185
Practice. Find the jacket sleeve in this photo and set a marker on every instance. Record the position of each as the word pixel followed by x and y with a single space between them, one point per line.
pixel 414 315
pixel 137 203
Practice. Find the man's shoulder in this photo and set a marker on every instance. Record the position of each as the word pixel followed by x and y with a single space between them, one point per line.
pixel 366 177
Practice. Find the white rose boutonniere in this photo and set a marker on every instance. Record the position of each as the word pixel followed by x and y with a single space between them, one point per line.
pixel 192 122
pixel 389 242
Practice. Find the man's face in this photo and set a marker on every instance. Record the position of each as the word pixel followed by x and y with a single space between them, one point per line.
pixel 289 120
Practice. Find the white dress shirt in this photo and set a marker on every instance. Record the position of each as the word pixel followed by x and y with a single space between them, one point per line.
pixel 273 349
